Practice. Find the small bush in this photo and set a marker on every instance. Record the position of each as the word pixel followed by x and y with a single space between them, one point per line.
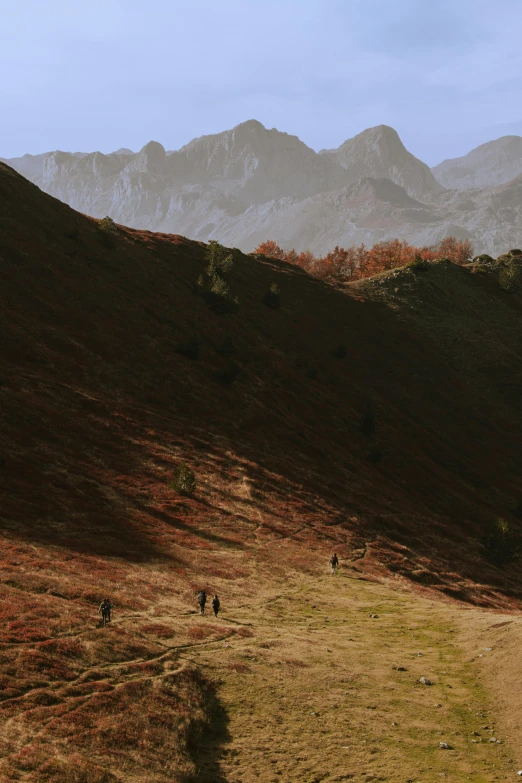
pixel 515 252
pixel 483 259
pixel 212 283
pixel 107 232
pixel 501 545
pixel 108 226
pixel 190 350
pixel 185 480
pixel 510 272
pixel 340 352
pixel 418 264
pixel 272 298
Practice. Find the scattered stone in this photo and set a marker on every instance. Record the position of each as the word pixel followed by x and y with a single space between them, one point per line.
pixel 400 668
pixel 437 705
pixel 373 615
pixel 419 654
pixel 476 733
pixel 425 681
pixel 444 746
pixel 492 739
pixel 487 649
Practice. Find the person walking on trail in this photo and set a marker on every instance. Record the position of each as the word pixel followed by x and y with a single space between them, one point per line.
pixel 215 605
pixel 105 611
pixel 334 562
pixel 202 600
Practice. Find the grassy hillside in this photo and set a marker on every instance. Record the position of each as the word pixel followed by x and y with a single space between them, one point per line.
pixel 381 421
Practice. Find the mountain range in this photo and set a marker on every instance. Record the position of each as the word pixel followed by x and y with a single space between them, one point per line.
pixel 250 184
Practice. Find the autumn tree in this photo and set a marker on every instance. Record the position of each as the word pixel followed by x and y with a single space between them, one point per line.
pixel 459 251
pixel 270 249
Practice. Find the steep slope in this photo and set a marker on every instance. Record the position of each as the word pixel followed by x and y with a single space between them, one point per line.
pixel 379 153
pixel 338 420
pixel 492 163
pixel 97 320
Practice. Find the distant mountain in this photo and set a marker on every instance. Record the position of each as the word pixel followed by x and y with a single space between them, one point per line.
pixel 378 152
pixel 30 166
pixel 249 184
pixel 492 163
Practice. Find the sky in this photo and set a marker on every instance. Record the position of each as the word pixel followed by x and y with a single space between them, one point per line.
pixel 106 74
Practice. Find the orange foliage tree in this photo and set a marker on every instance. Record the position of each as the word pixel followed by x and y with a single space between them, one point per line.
pixel 354 263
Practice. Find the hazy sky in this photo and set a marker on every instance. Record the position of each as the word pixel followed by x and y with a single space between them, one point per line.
pixel 104 74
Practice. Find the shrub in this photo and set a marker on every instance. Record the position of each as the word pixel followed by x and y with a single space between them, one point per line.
pixel 515 252
pixel 190 350
pixel 107 231
pixel 501 545
pixel 510 272
pixel 212 283
pixel 108 226
pixel 185 480
pixel 340 352
pixel 272 298
pixel 418 264
pixel 483 259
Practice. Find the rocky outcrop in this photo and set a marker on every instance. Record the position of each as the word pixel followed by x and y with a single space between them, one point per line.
pixel 379 152
pixel 493 163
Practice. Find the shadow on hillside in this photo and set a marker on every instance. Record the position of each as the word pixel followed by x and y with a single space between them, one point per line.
pixel 207 751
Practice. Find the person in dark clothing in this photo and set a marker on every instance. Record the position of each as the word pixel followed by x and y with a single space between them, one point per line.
pixel 334 562
pixel 202 600
pixel 215 605
pixel 105 611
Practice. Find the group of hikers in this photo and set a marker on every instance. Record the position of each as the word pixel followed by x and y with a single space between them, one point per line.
pixel 106 606
pixel 202 600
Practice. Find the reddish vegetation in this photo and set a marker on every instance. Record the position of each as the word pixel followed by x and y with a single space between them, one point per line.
pixel 99 406
pixel 344 265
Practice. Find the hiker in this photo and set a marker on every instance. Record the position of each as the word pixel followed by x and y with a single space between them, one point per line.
pixel 334 562
pixel 202 600
pixel 105 611
pixel 215 605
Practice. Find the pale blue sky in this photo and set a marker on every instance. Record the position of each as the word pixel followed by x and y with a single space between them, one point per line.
pixel 105 74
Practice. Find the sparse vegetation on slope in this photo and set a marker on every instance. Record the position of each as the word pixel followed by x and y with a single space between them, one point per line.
pixel 99 409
